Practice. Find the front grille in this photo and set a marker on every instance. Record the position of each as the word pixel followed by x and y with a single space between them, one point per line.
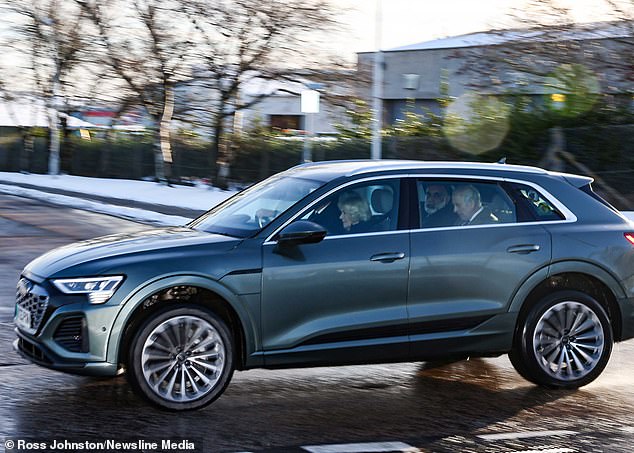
pixel 33 299
pixel 70 335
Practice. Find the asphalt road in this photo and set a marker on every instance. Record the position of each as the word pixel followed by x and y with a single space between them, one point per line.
pixel 479 405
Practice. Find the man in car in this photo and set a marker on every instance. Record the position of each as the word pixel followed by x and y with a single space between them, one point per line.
pixel 438 210
pixel 468 206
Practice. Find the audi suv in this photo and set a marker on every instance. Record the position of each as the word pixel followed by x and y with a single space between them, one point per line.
pixel 348 262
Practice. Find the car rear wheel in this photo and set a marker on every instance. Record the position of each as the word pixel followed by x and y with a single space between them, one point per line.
pixel 564 341
pixel 181 358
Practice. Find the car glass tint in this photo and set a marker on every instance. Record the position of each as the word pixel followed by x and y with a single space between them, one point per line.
pixel 452 202
pixel 252 209
pixel 539 207
pixel 367 207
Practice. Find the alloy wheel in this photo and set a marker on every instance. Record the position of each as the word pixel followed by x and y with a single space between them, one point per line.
pixel 568 341
pixel 183 358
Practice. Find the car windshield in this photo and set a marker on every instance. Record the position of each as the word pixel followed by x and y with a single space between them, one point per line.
pixel 250 210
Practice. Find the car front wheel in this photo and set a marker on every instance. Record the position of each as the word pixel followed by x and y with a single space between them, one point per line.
pixel 181 358
pixel 564 341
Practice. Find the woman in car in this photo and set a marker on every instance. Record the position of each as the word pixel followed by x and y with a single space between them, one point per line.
pixel 355 213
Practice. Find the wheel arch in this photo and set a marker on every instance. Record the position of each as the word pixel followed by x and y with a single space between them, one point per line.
pixel 579 276
pixel 177 289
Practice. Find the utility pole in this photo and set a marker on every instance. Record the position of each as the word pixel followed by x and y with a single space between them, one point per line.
pixel 377 87
pixel 309 107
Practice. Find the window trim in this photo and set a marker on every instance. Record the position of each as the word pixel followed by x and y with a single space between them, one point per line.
pixel 399 180
pixel 569 216
pixel 514 188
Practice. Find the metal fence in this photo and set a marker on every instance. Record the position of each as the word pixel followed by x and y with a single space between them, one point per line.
pixel 605 151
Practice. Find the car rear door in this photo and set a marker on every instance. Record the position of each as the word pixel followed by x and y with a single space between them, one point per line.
pixel 462 276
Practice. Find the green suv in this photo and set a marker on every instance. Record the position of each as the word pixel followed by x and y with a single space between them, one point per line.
pixel 344 263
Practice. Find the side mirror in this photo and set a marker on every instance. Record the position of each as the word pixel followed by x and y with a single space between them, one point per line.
pixel 301 232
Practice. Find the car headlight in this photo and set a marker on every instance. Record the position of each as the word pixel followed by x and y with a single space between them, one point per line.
pixel 99 289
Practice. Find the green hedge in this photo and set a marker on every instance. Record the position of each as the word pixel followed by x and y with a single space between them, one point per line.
pixel 606 150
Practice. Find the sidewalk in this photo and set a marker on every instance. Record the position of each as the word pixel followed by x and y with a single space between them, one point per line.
pixel 142 201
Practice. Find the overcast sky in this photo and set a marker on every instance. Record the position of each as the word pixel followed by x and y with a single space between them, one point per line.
pixel 412 21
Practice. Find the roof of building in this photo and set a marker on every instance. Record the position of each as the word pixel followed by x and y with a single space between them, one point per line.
pixel 580 32
pixel 33 114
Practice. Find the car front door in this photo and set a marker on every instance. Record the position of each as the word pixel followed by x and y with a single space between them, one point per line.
pixel 342 299
pixel 464 275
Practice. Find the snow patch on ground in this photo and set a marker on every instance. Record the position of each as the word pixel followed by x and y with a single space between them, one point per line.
pixel 200 198
pixel 139 215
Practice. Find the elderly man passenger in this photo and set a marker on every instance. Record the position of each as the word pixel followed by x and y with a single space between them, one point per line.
pixel 468 206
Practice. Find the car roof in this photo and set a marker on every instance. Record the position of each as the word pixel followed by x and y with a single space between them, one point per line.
pixel 332 169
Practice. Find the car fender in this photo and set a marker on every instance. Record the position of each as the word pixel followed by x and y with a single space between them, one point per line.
pixel 593 269
pixel 135 298
pixel 580 267
pixel 526 287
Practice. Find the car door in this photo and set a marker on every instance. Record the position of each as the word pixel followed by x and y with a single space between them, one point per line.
pixel 343 299
pixel 465 275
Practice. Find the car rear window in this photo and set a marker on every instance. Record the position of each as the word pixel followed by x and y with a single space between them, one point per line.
pixel 532 205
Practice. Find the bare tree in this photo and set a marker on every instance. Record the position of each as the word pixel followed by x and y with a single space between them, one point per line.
pixel 52 35
pixel 209 50
pixel 242 43
pixel 147 48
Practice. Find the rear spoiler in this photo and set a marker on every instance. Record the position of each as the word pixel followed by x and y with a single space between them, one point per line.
pixel 577 180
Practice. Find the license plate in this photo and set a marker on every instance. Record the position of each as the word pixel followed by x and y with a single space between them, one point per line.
pixel 22 318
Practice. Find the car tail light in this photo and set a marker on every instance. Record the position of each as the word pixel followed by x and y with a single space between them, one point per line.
pixel 629 237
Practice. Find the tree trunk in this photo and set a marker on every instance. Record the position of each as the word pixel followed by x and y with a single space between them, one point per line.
pixel 53 119
pixel 54 145
pixel 104 155
pixel 552 160
pixel 159 164
pixel 26 152
pixel 164 150
pixel 215 151
pixel 265 164
pixel 67 161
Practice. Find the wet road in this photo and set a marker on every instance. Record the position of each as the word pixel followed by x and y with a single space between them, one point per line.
pixel 480 405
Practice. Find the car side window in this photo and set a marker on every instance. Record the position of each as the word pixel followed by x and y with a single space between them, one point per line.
pixel 367 207
pixel 445 203
pixel 537 206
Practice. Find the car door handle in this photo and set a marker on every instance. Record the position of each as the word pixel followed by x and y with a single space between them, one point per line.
pixel 388 257
pixel 523 249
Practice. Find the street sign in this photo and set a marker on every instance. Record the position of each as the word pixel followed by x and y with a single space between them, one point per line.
pixel 310 101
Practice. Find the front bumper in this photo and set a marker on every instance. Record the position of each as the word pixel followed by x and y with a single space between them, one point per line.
pixel 63 332
pixel 41 355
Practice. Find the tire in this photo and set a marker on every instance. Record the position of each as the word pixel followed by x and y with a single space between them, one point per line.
pixel 181 358
pixel 563 341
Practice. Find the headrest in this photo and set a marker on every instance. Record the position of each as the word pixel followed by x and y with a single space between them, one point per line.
pixel 382 201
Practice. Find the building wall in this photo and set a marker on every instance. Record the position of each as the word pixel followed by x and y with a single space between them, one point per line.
pixel 604 58
pixel 324 121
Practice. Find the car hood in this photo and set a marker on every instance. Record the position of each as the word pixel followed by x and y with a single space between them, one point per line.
pixel 123 244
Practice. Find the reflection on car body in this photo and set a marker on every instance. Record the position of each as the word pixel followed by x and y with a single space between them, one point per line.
pixel 280 276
